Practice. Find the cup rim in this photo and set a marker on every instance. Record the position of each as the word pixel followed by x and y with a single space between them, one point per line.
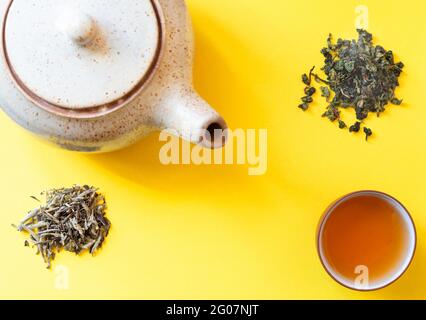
pixel 385 197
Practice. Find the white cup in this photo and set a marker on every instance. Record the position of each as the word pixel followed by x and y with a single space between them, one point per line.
pixel 396 272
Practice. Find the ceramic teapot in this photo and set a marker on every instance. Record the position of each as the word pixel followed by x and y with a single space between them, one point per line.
pixel 98 75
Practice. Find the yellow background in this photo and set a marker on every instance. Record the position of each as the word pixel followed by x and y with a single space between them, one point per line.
pixel 213 231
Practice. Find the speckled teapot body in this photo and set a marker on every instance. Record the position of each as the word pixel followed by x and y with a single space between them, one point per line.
pixel 98 75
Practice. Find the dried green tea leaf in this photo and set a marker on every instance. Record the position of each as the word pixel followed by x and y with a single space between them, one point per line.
pixel 350 66
pixel 325 92
pixel 310 91
pixel 368 133
pixel 304 106
pixel 306 80
pixel 396 101
pixel 307 99
pixel 342 124
pixel 355 127
pixel 72 219
pixel 332 113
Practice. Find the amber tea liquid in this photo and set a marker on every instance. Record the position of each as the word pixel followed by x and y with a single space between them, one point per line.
pixel 366 240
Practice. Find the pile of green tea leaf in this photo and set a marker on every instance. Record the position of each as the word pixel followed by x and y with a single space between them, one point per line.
pixel 360 75
pixel 72 219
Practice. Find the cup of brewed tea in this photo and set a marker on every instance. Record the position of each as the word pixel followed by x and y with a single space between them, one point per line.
pixel 366 240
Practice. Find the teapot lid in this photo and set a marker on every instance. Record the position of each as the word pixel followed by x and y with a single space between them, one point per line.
pixel 81 58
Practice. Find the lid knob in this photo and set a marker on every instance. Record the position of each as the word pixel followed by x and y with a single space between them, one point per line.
pixel 80 27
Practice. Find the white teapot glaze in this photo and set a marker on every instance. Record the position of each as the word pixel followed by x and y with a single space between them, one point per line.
pixel 98 75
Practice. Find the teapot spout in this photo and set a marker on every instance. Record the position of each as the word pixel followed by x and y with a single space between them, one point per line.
pixel 189 116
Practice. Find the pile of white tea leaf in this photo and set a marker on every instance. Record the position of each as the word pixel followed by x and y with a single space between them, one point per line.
pixel 72 219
